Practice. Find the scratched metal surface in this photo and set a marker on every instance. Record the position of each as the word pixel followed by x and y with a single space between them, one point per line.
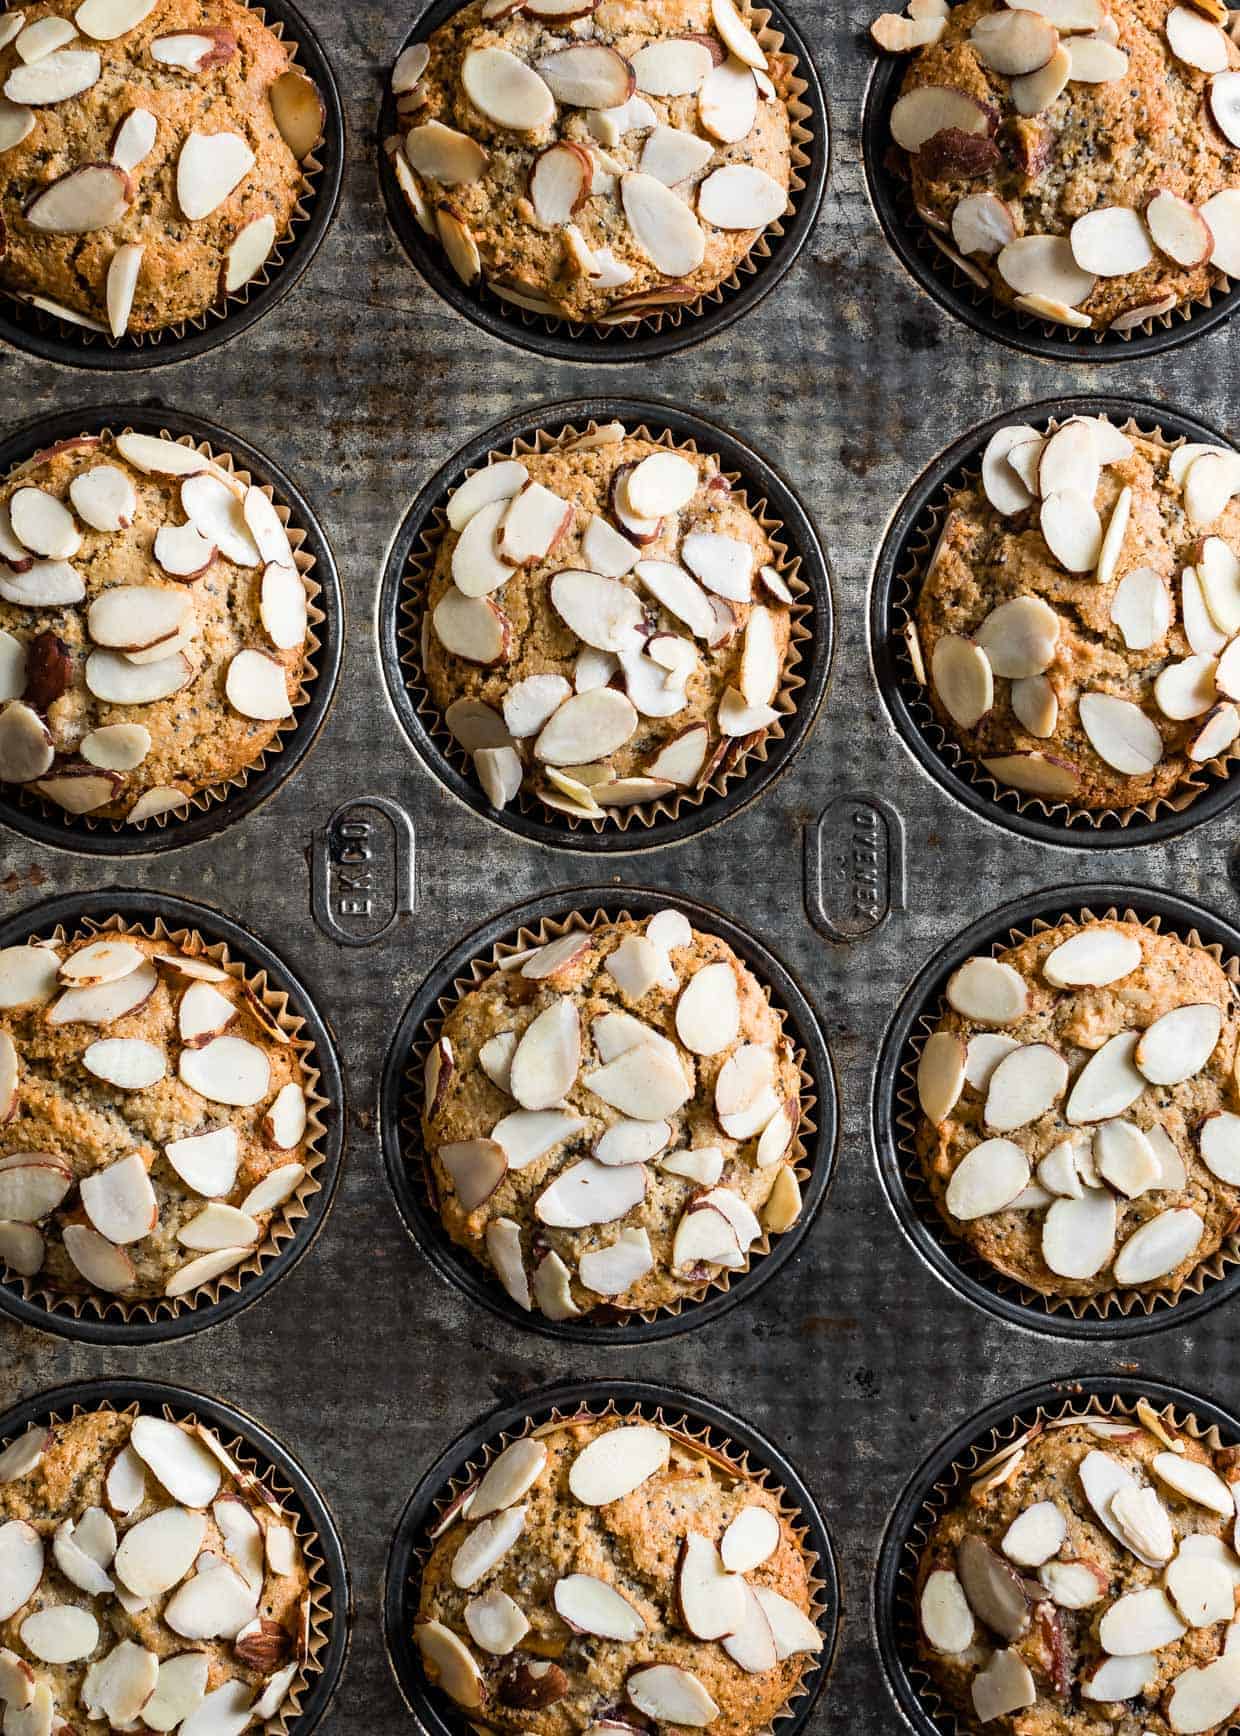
pixel 848 378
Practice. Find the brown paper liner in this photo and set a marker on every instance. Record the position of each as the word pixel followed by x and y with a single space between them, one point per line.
pixel 906 590
pixel 201 801
pixel 996 1451
pixel 311 169
pixel 695 1441
pixel 285 1219
pixel 266 1483
pixel 965 275
pixel 782 70
pixel 526 940
pixel 1111 1303
pixel 734 763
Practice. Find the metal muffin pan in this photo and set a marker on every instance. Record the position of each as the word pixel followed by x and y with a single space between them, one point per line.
pixel 893 1614
pixel 400 1108
pixel 925 1231
pixel 100 1323
pixel 759 479
pixel 43 821
pixel 567 341
pixel 909 237
pixel 434 1712
pixel 936 753
pixel 55 340
pixel 271 1456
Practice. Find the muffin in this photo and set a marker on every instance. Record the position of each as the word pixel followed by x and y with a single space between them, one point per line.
pixel 153 625
pixel 1085 1584
pixel 155 1117
pixel 1079 1128
pixel 603 625
pixel 1075 623
pixel 152 156
pixel 595 160
pixel 1082 161
pixel 609 1575
pixel 611 1119
pixel 145 1579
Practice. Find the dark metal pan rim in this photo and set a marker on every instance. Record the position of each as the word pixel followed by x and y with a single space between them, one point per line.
pixel 909 238
pixel 100 1325
pixel 891 1619
pixel 46 825
pixel 923 1229
pixel 151 1396
pixel 761 477
pixel 56 340
pixel 458 1267
pixel 679 330
pixel 936 754
pixel 401 1572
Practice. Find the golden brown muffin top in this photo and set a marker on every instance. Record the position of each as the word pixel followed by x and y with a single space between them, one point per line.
pixel 598 156
pixel 1085 1584
pixel 1083 159
pixel 611 1118
pixel 1079 1102
pixel 152 625
pixel 143 1575
pixel 151 155
pixel 595 655
pixel 1077 616
pixel 610 1575
pixel 154 1117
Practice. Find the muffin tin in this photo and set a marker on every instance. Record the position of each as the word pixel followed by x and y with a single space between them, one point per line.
pixel 58 340
pixel 400 1103
pixel 696 1418
pixel 646 340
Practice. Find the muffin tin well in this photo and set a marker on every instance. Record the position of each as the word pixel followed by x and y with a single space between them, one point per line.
pixel 938 1480
pixel 400 615
pixel 400 1107
pixel 895 1112
pixel 899 572
pixel 700 1422
pixel 53 339
pixel 98 1320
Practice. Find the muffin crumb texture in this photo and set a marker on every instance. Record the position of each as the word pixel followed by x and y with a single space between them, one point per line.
pixel 154 1115
pixel 1085 1584
pixel 1079 1126
pixel 153 625
pixel 604 627
pixel 612 1577
pixel 594 160
pixel 1081 161
pixel 147 1582
pixel 1076 627
pixel 611 1117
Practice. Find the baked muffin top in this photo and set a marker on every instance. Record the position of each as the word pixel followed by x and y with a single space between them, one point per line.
pixel 611 1576
pixel 154 1117
pixel 1076 620
pixel 1085 1585
pixel 1082 158
pixel 594 656
pixel 145 1577
pixel 611 1118
pixel 594 159
pixel 152 625
pixel 1079 1127
pixel 151 153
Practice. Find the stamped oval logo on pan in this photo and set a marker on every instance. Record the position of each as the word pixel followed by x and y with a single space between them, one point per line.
pixel 363 871
pixel 854 867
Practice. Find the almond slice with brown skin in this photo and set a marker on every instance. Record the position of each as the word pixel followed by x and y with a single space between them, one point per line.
pixel 680 760
pixel 737 35
pixel 591 1606
pixel 921 114
pixel 741 197
pixel 477 569
pixel 1195 41
pixel 987 1179
pixel 602 612
pixel 588 75
pixel 104 961
pixel 1038 774
pixel 210 167
pixel 1003 485
pixel 982 225
pixel 266 527
pixel 1179 1044
pixel 182 551
pixel 1222 213
pixel 471 627
pixel 1178 228
pixel 411 63
pixel 645 1083
pixel 134 617
pixel 711 1599
pixel 22 1250
pixel 1218 731
pixel 445 155
pixel 497 482
pixel 55 78
pixel 728 102
pixel 1120 733
pixel 897 35
pixel 1209 483
pixel 560 183
pixel 589 1192
pixel 1186 689
pixel 506 90
pixel 154 456
pixel 672 587
pixel 79 789
pixel 129 1063
pixel 30 1190
pixel 104 498
pixel 736 718
pixel 43 524
pixel 217 509
pixel 1223 95
pixel 724 564
pixel 1014 43
pixel 134 139
pixel 120 1201
pixel 298 110
pixel 194 51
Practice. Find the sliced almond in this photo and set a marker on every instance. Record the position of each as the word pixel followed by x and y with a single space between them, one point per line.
pixel 592 1606
pixel 1035 92
pixel 645 1083
pixel 43 524
pixel 42 585
pixel 708 1011
pixel 1072 529
pixel 946 1619
pixel 665 229
pixel 257 686
pixel 248 252
pixel 102 1003
pixel 1014 43
pixel 930 109
pixel 1223 95
pixel 588 727
pixel 298 110
pixel 1045 265
pixel 54 78
pixel 26 750
pixel 1108 1084
pixel 672 156
pixel 728 104
pixel 473 628
pixel 219 514
pixel 104 1266
pixel 227 1070
pixel 1160 1246
pixel 739 196
pixel 207 1162
pixel 987 1179
pixel 1179 1044
pixel 120 1201
pixel 1024 1086
pixel 616 1463
pixel 1112 241
pixel 1141 608
pixel 1095 957
pixel 560 183
pixel 987 991
pixel 672 66
pixel 1120 733
pixel 210 167
pixel 137 617
pixel 105 20
pixel 104 497
pixel 588 75
pixel 1196 41
pixel 1186 689
pixel 129 1063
